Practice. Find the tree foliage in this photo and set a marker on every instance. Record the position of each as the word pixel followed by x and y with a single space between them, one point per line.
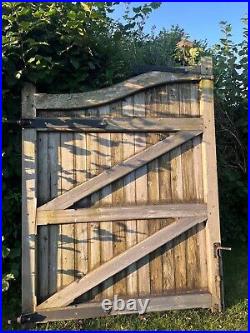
pixel 231 102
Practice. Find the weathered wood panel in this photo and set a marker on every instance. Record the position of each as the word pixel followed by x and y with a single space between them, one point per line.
pixel 106 234
pixel 120 168
pixel 55 190
pixel 29 204
pixel 43 232
pixel 112 176
pixel 102 214
pixel 210 183
pixel 196 299
pixel 111 94
pixel 125 124
pixel 119 262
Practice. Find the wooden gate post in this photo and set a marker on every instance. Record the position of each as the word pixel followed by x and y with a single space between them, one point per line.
pixel 29 202
pixel 210 183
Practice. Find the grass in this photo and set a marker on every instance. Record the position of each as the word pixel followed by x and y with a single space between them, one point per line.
pixel 234 317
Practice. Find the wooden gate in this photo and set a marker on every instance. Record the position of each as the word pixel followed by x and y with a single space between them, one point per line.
pixel 120 197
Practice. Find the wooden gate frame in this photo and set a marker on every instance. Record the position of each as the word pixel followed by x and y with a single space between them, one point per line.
pixel 56 307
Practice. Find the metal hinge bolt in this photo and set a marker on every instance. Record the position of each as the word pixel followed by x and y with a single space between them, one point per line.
pixel 218 248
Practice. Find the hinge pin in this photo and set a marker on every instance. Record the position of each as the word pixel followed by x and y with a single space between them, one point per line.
pixel 218 248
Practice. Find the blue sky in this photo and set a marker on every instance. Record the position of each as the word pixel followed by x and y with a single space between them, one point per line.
pixel 199 19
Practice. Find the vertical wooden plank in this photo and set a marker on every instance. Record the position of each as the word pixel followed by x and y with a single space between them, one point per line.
pixel 177 195
pixel 152 109
pixel 201 281
pixel 129 189
pixel 139 105
pixel 84 171
pixel 106 233
pixel 28 220
pixel 119 228
pixel 189 194
pixel 167 92
pixel 60 233
pixel 54 153
pixel 192 260
pixel 185 101
pixel 129 194
pixel 141 190
pixel 29 204
pixel 81 229
pixel 142 225
pixel 210 182
pixel 179 243
pixel 166 196
pixel 95 255
pixel 67 230
pixel 173 100
pixel 43 189
pixel 165 101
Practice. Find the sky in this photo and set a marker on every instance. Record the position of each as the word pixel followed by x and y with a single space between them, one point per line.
pixel 199 19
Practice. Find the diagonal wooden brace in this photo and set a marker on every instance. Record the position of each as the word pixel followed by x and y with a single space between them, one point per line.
pixel 122 169
pixel 67 295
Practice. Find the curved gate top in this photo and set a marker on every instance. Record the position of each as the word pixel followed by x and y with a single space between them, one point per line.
pixel 120 197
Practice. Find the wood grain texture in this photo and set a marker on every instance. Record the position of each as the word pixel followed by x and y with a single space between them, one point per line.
pixel 54 156
pixel 201 278
pixel 67 230
pixel 81 230
pixel 210 184
pixel 118 197
pixel 111 94
pixel 122 200
pixel 119 169
pixel 156 278
pixel 119 262
pixel 196 299
pixel 83 233
pixel 43 190
pixel 125 124
pixel 129 186
pixel 95 246
pixel 189 194
pixel 106 232
pixel 165 196
pixel 102 214
pixel 141 192
pixel 29 203
pixel 28 101
pixel 177 196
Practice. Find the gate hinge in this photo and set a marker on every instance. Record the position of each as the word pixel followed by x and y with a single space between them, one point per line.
pixel 218 248
pixel 18 122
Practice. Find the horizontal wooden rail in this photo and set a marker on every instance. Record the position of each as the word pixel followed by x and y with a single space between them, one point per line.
pixel 128 124
pixel 67 295
pixel 108 176
pixel 110 94
pixel 45 217
pixel 188 300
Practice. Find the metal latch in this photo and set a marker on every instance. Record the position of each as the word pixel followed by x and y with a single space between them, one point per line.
pixel 218 248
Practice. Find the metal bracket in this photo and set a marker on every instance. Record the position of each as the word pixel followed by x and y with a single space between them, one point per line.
pixel 218 248
pixel 57 123
pixel 21 122
pixel 219 272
